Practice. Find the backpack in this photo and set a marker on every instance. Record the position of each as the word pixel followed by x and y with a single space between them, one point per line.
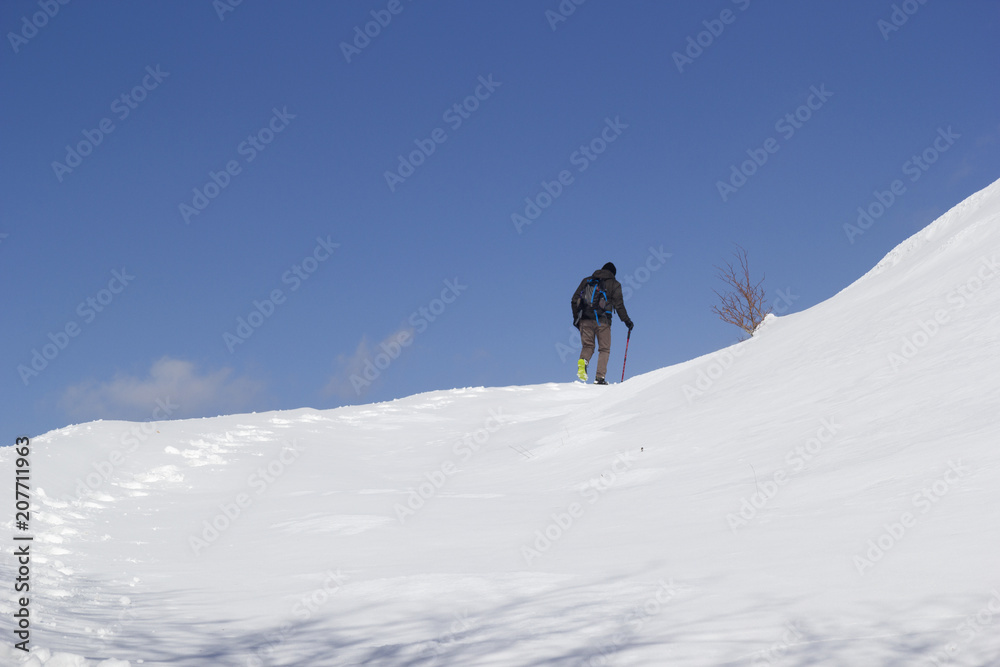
pixel 594 299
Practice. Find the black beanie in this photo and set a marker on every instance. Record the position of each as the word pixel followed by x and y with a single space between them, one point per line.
pixel 610 267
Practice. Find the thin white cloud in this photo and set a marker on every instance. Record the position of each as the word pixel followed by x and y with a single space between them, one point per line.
pixel 360 370
pixel 170 381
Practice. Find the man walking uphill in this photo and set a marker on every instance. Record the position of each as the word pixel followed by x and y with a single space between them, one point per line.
pixel 593 302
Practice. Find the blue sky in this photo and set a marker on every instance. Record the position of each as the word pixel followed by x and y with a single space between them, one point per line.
pixel 212 209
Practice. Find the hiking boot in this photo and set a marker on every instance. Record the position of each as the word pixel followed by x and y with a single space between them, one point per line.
pixel 581 370
pixel 600 381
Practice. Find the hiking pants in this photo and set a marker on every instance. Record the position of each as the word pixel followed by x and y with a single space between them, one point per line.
pixel 589 330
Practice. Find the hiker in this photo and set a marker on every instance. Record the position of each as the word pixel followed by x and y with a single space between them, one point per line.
pixel 593 302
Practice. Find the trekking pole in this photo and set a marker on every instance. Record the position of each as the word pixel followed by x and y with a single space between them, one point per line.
pixel 627 338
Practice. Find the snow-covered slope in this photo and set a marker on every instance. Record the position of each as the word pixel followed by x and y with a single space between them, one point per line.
pixel 826 493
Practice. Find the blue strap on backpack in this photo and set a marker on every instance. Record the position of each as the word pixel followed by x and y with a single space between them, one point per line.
pixel 595 297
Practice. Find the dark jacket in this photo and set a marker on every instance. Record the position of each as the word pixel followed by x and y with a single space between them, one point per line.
pixel 614 291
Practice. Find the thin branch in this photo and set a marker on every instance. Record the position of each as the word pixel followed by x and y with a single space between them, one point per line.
pixel 743 303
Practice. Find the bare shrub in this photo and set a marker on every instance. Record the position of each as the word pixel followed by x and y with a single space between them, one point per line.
pixel 742 302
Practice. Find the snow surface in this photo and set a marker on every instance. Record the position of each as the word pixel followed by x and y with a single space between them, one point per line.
pixel 826 493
